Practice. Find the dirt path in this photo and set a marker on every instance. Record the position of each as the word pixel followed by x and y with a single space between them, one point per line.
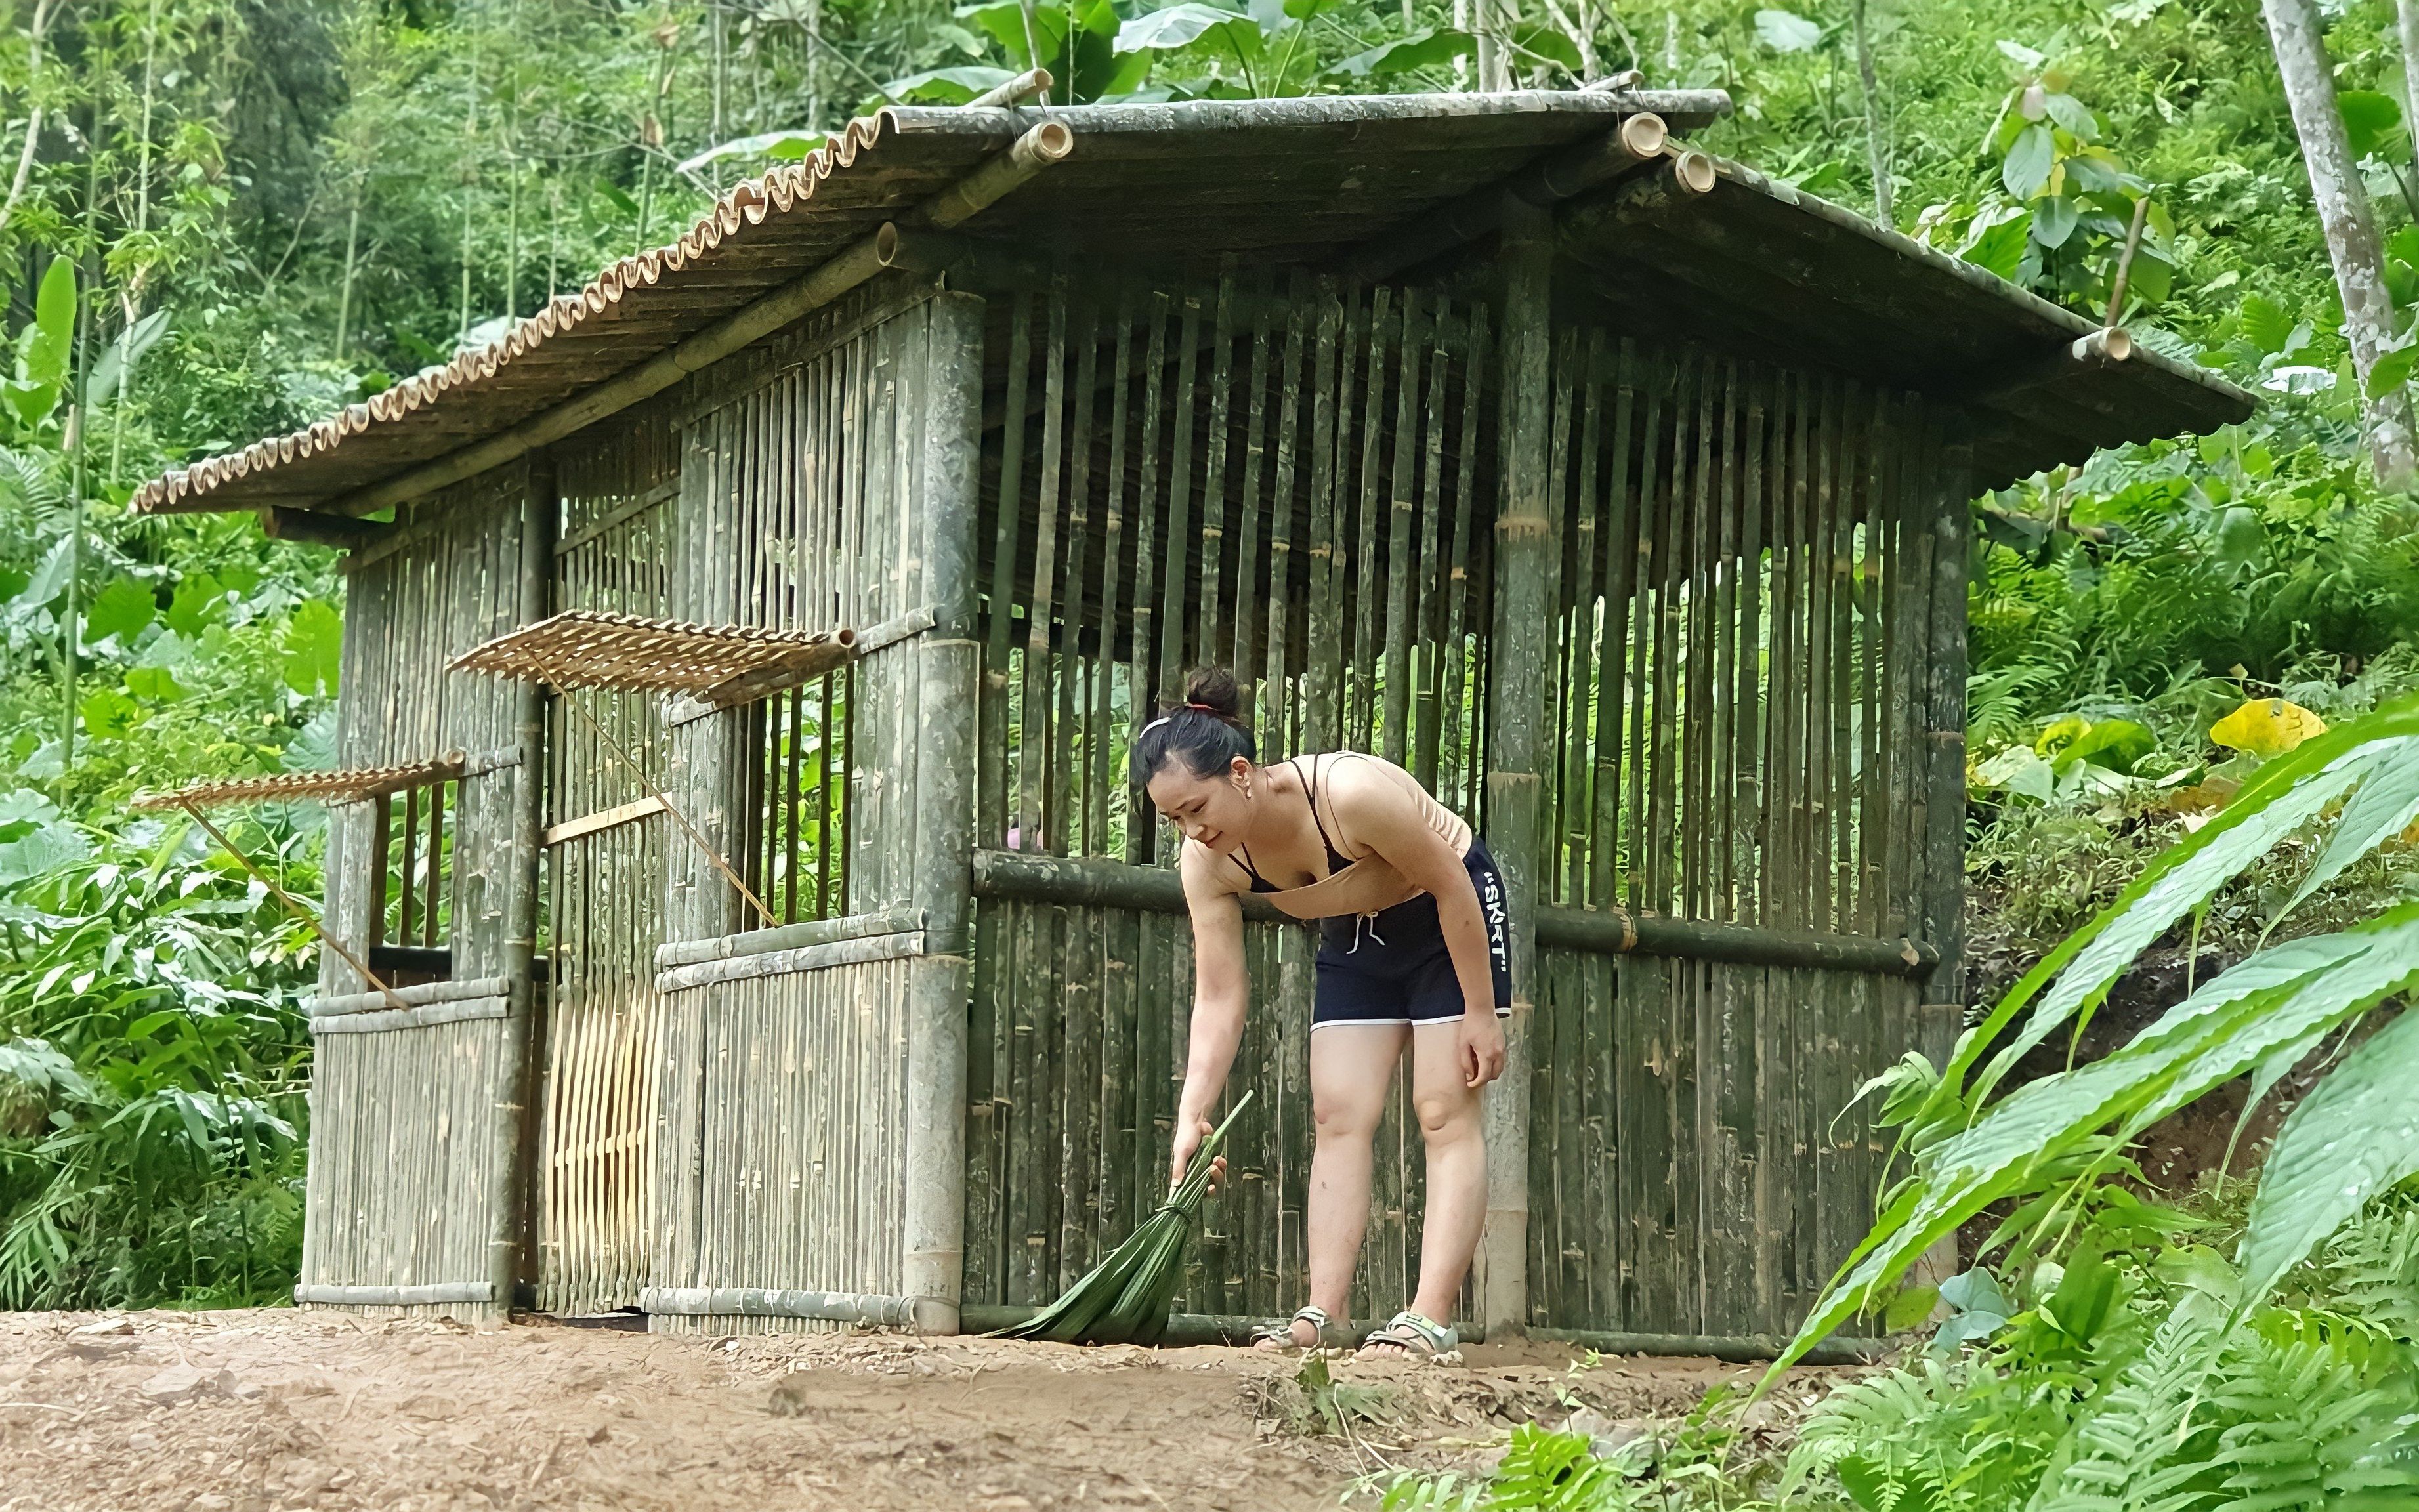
pixel 264 1412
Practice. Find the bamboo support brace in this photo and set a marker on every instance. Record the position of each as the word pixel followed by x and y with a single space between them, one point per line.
pixel 1013 91
pixel 1640 138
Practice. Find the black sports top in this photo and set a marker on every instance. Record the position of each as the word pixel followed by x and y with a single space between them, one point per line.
pixel 1336 860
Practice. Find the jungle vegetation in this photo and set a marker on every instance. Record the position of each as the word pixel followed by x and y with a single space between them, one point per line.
pixel 220 218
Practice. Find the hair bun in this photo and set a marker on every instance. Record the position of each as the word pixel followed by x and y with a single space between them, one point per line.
pixel 1214 689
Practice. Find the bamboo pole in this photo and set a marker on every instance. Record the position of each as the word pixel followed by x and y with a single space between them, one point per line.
pixel 1523 615
pixel 942 812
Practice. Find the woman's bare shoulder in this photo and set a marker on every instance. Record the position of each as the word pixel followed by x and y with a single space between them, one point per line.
pixel 1206 874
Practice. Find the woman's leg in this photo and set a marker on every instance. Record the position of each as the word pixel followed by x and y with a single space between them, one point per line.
pixel 1456 1155
pixel 1352 1068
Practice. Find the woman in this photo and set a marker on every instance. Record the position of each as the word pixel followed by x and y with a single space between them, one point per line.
pixel 1413 953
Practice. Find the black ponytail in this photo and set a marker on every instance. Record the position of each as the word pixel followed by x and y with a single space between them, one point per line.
pixel 1206 733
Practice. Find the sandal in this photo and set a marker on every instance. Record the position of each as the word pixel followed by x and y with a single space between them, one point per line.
pixel 1280 1336
pixel 1421 1338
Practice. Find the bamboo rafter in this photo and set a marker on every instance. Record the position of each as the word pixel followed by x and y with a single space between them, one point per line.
pixel 719 664
pixel 350 786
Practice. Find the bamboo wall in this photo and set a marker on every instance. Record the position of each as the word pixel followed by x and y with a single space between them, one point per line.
pixel 1273 475
pixel 614 487
pixel 1746 582
pixel 1298 481
pixel 409 1121
pixel 806 500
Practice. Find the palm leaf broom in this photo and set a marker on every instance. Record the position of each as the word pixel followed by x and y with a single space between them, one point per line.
pixel 1127 1297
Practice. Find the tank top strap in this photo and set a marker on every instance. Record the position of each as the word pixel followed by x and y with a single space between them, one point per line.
pixel 1336 860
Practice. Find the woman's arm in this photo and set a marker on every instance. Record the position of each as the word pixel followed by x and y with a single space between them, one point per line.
pixel 1220 989
pixel 1381 814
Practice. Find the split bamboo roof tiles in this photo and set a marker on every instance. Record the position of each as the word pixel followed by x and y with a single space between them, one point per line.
pixel 348 786
pixel 1753 265
pixel 630 654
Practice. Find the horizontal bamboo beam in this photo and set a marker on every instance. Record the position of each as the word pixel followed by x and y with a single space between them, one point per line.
pixel 412 1018
pixel 849 952
pixel 419 996
pixel 1639 139
pixel 787 938
pixel 434 1293
pixel 1048 143
pixel 1617 932
pixel 865 1309
pixel 620 814
pixel 313 528
pixel 2100 350
pixel 1104 884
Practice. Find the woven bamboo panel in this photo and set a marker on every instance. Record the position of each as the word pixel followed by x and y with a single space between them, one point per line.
pixel 350 786
pixel 633 654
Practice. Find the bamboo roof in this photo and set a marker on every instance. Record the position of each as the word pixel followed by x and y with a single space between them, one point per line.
pixel 1305 182
pixel 348 786
pixel 630 654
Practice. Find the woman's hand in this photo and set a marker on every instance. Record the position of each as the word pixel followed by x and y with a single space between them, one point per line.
pixel 1188 1134
pixel 1478 1042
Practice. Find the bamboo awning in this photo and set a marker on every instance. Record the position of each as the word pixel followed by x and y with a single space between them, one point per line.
pixel 720 665
pixel 348 786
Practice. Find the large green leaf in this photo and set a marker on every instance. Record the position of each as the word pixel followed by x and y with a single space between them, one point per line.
pixel 315 649
pixel 2027 164
pixel 50 342
pixel 2385 806
pixel 2279 798
pixel 2275 997
pixel 2369 118
pixel 1431 47
pixel 1181 25
pixel 2353 1136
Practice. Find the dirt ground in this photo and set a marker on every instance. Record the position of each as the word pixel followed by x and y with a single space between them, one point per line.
pixel 270 1411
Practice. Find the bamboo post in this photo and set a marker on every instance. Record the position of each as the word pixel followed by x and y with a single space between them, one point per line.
pixel 1522 652
pixel 1943 925
pixel 515 1148
pixel 949 672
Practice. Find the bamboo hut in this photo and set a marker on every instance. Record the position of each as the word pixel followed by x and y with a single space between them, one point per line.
pixel 761 932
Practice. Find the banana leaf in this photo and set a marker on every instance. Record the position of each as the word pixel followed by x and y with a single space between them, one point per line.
pixel 1126 1298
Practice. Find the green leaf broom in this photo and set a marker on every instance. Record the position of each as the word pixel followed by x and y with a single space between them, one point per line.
pixel 1126 1298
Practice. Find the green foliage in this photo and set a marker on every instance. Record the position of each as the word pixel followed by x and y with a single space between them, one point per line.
pixel 151 1046
pixel 1971 1149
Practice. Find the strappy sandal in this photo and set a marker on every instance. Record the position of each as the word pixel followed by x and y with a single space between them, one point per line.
pixel 1418 1337
pixel 1280 1336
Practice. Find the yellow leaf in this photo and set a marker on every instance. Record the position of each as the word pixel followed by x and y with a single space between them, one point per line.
pixel 2266 727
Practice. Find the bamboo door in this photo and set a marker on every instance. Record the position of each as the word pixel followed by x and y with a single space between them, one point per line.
pixel 605 837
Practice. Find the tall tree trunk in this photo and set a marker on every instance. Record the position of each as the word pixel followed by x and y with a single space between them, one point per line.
pixel 2406 17
pixel 2295 32
pixel 1876 149
pixel 1495 18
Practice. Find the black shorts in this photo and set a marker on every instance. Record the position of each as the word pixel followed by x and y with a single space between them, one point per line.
pixel 1395 968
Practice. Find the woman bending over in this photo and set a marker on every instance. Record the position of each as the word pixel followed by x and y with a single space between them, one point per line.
pixel 1412 952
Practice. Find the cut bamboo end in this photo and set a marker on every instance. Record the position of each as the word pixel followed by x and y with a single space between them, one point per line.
pixel 1693 172
pixel 1643 134
pixel 1045 144
pixel 2113 345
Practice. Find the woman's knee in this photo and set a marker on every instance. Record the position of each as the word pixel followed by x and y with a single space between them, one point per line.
pixel 1336 1115
pixel 1446 1113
